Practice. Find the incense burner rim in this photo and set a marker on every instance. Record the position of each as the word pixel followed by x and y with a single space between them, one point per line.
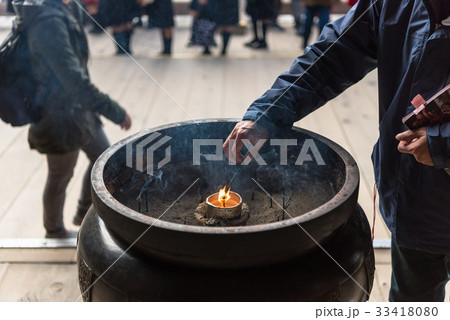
pixel 103 198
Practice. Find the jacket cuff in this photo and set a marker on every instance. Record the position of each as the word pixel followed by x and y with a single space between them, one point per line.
pixel 263 121
pixel 438 137
pixel 115 113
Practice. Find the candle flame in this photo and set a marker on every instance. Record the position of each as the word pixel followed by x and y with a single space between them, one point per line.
pixel 224 196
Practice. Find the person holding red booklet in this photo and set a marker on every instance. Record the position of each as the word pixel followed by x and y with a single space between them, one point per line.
pixel 408 41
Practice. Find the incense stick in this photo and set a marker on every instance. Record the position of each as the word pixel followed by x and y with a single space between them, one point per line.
pixel 234 176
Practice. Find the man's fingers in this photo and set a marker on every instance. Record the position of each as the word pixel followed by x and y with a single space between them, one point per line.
pixel 234 143
pixel 404 147
pixel 233 146
pixel 238 145
pixel 406 136
pixel 410 135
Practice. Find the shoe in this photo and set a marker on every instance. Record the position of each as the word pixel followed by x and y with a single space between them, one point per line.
pixel 62 234
pixel 252 43
pixel 206 52
pixel 137 22
pixel 260 45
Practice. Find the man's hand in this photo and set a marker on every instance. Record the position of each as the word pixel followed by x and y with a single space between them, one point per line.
pixel 243 130
pixel 126 124
pixel 415 143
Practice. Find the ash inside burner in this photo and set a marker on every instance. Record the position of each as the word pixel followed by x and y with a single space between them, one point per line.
pixel 156 196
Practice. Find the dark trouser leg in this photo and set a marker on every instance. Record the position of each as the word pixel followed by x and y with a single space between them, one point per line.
pixel 167 46
pixel 93 150
pixel 297 12
pixel 324 16
pixel 264 31
pixel 255 40
pixel 95 27
pixel 225 40
pixel 255 28
pixel 417 275
pixel 310 12
pixel 127 42
pixel 60 171
pixel 121 42
pixel 167 35
pixel 167 42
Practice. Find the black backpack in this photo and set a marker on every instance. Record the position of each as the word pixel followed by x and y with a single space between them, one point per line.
pixel 17 86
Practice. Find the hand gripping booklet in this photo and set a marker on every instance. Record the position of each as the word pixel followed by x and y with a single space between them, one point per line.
pixel 435 110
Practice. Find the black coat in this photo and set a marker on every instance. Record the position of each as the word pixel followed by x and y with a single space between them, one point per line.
pixel 222 12
pixel 160 14
pixel 117 12
pixel 70 104
pixel 260 9
pixel 226 12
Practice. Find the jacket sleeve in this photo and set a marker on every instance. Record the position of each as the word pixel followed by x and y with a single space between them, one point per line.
pixel 438 137
pixel 345 52
pixel 49 40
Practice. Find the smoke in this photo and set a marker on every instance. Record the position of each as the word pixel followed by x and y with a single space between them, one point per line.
pixel 310 183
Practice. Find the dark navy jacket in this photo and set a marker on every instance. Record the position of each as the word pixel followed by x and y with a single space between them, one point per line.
pixel 399 38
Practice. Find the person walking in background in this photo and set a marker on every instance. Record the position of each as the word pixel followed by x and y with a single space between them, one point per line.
pixel 69 104
pixel 297 10
pixel 320 8
pixel 119 15
pixel 92 9
pixel 9 7
pixel 259 11
pixel 276 11
pixel 226 16
pixel 203 26
pixel 160 15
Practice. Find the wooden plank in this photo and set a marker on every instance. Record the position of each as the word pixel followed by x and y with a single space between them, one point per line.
pixel 23 219
pixel 10 135
pixel 3 268
pixel 238 94
pixel 382 256
pixel 38 243
pixel 209 79
pixel 447 292
pixel 18 166
pixel 33 255
pixel 40 282
pixel 382 281
pixel 169 106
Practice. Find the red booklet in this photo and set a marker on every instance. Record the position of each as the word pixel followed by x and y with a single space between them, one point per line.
pixel 435 110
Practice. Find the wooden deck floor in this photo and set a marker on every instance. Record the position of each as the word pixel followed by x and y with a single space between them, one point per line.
pixel 205 87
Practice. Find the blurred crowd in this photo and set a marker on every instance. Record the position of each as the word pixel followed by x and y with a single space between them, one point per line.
pixel 209 17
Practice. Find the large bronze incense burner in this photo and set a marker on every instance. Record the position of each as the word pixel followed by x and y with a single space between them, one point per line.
pixel 159 231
